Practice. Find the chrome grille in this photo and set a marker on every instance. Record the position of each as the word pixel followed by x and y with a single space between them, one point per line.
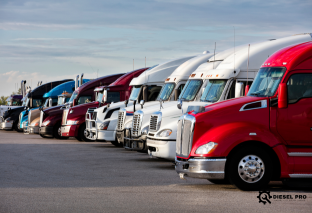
pixel 41 118
pixel 64 118
pixel 155 122
pixel 90 118
pixel 121 119
pixel 185 135
pixel 29 116
pixel 136 123
pixel 20 118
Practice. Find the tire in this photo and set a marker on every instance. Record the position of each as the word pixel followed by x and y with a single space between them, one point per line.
pixel 257 161
pixel 219 181
pixel 16 127
pixel 81 134
pixel 115 143
pixel 43 136
pixel 57 132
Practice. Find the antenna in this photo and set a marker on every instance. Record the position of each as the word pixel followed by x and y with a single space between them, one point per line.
pixel 234 48
pixel 214 57
pixel 248 62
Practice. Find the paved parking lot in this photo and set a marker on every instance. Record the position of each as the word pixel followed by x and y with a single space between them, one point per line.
pixel 48 175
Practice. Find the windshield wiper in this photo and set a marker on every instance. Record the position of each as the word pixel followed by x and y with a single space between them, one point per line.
pixel 255 94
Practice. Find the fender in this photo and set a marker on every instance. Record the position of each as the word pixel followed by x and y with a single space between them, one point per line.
pixel 232 134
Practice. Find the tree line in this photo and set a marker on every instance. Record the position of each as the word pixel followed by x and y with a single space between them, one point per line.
pixel 4 98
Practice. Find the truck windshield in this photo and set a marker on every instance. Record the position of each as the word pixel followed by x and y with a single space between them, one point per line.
pixel 113 97
pixel 46 103
pixel 135 93
pixel 100 96
pixel 166 91
pixel 190 90
pixel 72 98
pixel 266 82
pixel 213 90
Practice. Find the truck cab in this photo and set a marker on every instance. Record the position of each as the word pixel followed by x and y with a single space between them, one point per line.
pixel 51 119
pixel 53 98
pixel 144 87
pixel 254 139
pixel 34 100
pixel 118 91
pixel 13 101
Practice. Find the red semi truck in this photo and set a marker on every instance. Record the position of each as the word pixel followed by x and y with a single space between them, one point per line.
pixel 51 118
pixel 264 136
pixel 73 122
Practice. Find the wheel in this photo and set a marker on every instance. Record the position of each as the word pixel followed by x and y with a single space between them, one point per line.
pixel 115 143
pixel 250 169
pixel 16 127
pixel 219 181
pixel 57 133
pixel 82 133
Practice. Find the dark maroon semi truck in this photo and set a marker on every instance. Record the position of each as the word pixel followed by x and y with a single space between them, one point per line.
pixel 51 118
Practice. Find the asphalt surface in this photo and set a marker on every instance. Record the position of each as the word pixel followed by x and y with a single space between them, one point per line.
pixel 49 175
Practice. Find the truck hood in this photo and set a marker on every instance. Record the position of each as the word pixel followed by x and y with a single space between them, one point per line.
pixel 81 109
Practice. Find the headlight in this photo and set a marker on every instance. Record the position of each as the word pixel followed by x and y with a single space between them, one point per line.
pixel 35 124
pixel 145 130
pixel 72 122
pixel 45 123
pixel 104 125
pixel 8 119
pixel 164 133
pixel 128 125
pixel 71 111
pixel 206 148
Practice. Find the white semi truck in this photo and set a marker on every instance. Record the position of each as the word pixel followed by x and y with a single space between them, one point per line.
pixel 136 129
pixel 221 83
pixel 101 122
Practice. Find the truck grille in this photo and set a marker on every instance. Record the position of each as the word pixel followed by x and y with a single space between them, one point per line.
pixel 29 116
pixel 20 118
pixel 41 118
pixel 90 118
pixel 64 118
pixel 136 123
pixel 121 119
pixel 155 121
pixel 185 135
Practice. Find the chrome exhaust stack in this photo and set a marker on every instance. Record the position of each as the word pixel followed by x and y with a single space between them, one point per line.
pixel 76 82
pixel 81 79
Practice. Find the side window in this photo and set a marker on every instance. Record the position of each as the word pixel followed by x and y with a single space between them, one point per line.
pixel 113 97
pixel 231 93
pixel 54 101
pixel 84 99
pixel 180 88
pixel 152 92
pixel 37 102
pixel 299 86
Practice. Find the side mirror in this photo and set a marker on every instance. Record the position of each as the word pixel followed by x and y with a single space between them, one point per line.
pixel 50 102
pixel 176 94
pixel 105 96
pixel 126 102
pixel 134 102
pixel 246 90
pixel 282 96
pixel 179 105
pixel 239 89
pixel 145 93
pixel 142 103
pixel 75 102
pixel 41 108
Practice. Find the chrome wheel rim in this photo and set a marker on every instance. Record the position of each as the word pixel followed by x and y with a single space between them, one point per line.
pixel 59 131
pixel 251 169
pixel 86 133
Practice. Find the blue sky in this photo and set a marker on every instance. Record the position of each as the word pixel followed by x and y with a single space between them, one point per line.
pixel 50 40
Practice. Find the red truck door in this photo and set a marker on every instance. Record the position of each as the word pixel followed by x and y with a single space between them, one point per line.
pixel 294 123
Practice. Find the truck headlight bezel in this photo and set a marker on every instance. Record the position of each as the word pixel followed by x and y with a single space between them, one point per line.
pixel 71 122
pixel 145 130
pixel 164 133
pixel 46 123
pixel 206 148
pixel 104 125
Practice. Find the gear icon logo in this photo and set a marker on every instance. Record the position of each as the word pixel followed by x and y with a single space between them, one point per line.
pixel 264 197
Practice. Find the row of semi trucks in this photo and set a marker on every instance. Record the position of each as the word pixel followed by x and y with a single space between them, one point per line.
pixel 217 116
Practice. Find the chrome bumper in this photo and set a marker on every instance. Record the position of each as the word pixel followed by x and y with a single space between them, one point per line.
pixel 210 168
pixel 91 131
pixel 7 125
pixel 31 130
pixel 120 135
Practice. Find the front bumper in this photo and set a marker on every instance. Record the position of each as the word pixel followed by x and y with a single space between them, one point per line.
pixel 206 168
pixel 70 130
pixel 162 149
pixel 7 125
pixel 106 135
pixel 120 135
pixel 31 130
pixel 46 131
